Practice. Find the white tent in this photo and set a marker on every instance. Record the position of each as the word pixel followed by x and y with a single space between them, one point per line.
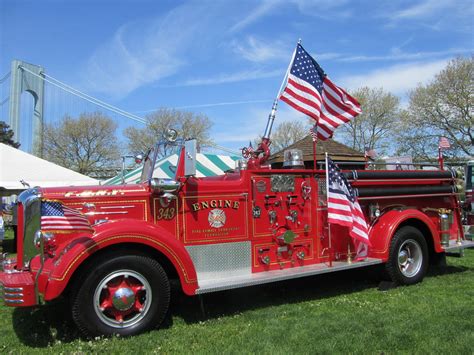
pixel 16 165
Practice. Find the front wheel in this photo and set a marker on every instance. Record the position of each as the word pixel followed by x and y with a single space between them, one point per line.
pixel 408 256
pixel 125 295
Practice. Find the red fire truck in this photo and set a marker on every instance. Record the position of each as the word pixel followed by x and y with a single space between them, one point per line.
pixel 251 226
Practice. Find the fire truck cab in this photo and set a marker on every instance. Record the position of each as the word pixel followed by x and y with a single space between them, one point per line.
pixel 250 226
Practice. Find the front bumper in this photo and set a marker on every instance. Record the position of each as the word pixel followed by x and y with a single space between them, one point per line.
pixel 17 288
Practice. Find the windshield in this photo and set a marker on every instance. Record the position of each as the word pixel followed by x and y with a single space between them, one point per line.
pixel 164 158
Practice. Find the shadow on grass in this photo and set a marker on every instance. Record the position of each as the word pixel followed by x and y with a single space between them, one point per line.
pixel 228 303
pixel 42 326
pixel 39 327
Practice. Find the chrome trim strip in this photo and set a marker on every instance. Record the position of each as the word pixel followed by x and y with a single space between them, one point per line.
pixel 13 301
pixel 13 295
pixel 13 289
pixel 110 207
pixel 111 212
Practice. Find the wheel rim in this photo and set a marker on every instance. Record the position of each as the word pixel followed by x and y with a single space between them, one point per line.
pixel 410 258
pixel 122 298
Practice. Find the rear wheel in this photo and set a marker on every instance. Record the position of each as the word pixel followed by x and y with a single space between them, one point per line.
pixel 124 295
pixel 408 256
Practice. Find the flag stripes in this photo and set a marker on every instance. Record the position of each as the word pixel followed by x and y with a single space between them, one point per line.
pixel 310 91
pixel 56 216
pixel 343 208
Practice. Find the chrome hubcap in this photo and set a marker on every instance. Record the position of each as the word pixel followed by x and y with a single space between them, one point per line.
pixel 410 258
pixel 122 298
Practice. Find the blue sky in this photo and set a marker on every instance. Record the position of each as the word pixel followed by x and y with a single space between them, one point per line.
pixel 227 59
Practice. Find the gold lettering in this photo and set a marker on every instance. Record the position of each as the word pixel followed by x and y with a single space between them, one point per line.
pixel 227 203
pixel 213 203
pixel 205 204
pixel 196 207
pixel 236 205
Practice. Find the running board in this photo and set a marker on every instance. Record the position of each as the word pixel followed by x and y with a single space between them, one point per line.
pixel 207 286
pixel 463 244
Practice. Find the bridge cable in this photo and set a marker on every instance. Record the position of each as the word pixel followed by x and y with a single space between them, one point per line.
pixel 84 96
pixel 5 77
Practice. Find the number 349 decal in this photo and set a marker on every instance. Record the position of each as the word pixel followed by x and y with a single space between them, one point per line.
pixel 166 213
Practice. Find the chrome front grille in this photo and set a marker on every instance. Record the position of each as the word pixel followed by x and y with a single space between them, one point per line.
pixel 31 202
pixel 12 295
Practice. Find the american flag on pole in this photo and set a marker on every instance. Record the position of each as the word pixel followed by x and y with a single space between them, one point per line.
pixel 310 91
pixel 56 216
pixel 444 143
pixel 343 208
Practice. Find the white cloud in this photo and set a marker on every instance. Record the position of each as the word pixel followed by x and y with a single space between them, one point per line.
pixel 233 77
pixel 148 50
pixel 256 50
pixel 255 14
pixel 397 79
pixel 397 54
pixel 423 9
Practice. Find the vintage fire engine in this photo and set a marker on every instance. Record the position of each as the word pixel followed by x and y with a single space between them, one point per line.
pixel 251 226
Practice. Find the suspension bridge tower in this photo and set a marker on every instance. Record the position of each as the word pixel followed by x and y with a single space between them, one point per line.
pixel 27 77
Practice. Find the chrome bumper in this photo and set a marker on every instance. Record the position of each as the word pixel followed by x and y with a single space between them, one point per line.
pixel 17 288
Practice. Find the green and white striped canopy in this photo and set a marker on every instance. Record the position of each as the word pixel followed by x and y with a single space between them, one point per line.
pixel 206 165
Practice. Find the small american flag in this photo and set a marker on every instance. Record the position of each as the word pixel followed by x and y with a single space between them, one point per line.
pixel 310 91
pixel 56 216
pixel 444 143
pixel 343 208
pixel 370 153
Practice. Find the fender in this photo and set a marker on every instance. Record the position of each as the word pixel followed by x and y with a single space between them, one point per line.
pixel 382 230
pixel 116 232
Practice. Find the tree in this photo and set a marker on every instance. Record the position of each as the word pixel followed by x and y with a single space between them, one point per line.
pixel 84 144
pixel 373 127
pixel 443 107
pixel 188 125
pixel 6 135
pixel 287 133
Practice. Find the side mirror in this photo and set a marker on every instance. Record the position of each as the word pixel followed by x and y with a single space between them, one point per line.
pixel 190 157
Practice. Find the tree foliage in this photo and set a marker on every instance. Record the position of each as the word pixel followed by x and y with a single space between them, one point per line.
pixel 444 107
pixel 373 127
pixel 84 144
pixel 188 125
pixel 287 133
pixel 6 135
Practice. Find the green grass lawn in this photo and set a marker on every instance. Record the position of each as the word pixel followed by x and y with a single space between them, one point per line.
pixel 335 313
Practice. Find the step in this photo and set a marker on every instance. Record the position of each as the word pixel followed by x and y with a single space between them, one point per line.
pixel 228 283
pixel 463 244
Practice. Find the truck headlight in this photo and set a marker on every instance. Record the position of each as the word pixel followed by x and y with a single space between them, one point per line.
pixel 37 239
pixel 49 242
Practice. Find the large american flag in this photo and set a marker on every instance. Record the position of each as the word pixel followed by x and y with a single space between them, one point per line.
pixel 310 91
pixel 56 216
pixel 343 208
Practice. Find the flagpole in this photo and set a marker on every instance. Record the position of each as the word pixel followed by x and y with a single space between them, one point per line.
pixel 271 117
pixel 315 141
pixel 440 158
pixel 327 198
